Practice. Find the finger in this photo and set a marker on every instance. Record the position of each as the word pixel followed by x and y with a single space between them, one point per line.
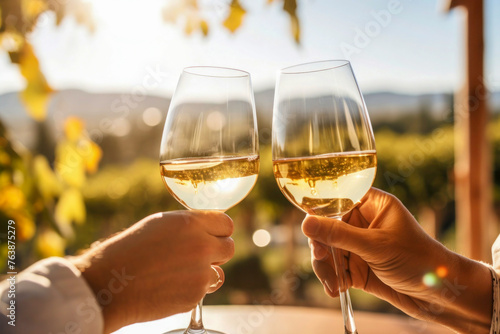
pixel 339 234
pixel 326 274
pixel 357 219
pixel 319 251
pixel 217 280
pixel 223 251
pixel 217 223
pixel 374 202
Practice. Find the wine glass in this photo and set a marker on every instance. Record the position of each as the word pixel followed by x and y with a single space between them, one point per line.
pixel 209 155
pixel 324 157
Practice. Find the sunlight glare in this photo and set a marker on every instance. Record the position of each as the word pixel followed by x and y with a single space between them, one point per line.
pixel 227 185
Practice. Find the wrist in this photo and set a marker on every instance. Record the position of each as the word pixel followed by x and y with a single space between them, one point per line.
pixel 464 295
pixel 98 277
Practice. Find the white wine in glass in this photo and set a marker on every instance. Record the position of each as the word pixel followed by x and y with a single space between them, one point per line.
pixel 209 155
pixel 324 157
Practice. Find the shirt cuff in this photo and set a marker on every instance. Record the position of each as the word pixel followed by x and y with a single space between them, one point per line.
pixel 51 296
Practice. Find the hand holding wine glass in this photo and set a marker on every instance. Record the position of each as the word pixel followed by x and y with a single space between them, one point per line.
pixel 209 157
pixel 323 147
pixel 393 258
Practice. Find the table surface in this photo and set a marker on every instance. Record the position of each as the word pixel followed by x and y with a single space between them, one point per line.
pixel 264 319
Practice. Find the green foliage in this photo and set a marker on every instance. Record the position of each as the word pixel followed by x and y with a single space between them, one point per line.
pixel 416 168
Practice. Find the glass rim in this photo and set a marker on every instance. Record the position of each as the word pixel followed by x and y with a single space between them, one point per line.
pixel 211 71
pixel 315 66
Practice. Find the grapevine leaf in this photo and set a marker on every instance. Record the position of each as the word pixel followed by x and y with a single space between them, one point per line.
pixel 73 128
pixel 70 163
pixel 37 93
pixel 290 6
pixel 235 17
pixel 47 183
pixel 204 27
pixel 70 208
pixel 25 226
pixel 49 243
pixel 93 157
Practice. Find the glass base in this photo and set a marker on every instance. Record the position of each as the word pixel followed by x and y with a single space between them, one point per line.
pixel 194 331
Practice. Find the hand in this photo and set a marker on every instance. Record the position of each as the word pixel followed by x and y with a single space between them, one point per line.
pixel 158 267
pixel 389 256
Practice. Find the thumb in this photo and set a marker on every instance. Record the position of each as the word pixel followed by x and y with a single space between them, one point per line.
pixel 339 234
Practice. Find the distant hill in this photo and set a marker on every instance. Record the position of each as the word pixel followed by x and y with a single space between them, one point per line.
pixel 386 105
pixel 98 110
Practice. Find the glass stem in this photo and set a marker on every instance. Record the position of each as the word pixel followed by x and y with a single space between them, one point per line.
pixel 196 323
pixel 345 299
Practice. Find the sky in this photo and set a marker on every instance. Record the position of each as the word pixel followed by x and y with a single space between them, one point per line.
pixel 394 45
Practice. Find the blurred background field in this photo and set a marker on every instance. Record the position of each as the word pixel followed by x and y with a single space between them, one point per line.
pixel 79 160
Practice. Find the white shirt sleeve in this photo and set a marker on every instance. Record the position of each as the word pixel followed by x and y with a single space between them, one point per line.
pixel 50 297
pixel 495 270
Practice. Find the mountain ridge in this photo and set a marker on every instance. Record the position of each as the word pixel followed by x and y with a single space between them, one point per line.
pixel 99 109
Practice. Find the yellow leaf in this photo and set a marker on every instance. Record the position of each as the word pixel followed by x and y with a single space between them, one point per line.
pixel 49 243
pixel 47 182
pixel 25 226
pixel 70 208
pixel 36 103
pixel 32 8
pixel 204 27
pixel 290 6
pixel 76 154
pixel 93 157
pixel 73 128
pixel 12 198
pixel 295 28
pixel 70 164
pixel 5 158
pixel 36 95
pixel 235 17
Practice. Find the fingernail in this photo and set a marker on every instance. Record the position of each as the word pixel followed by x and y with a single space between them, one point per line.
pixel 311 227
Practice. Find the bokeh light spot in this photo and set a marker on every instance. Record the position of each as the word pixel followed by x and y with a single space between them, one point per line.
pixel 151 116
pixel 121 127
pixel 430 280
pixel 261 238
pixel 441 271
pixel 216 120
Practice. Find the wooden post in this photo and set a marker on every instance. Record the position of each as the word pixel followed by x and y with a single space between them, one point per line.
pixel 473 189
